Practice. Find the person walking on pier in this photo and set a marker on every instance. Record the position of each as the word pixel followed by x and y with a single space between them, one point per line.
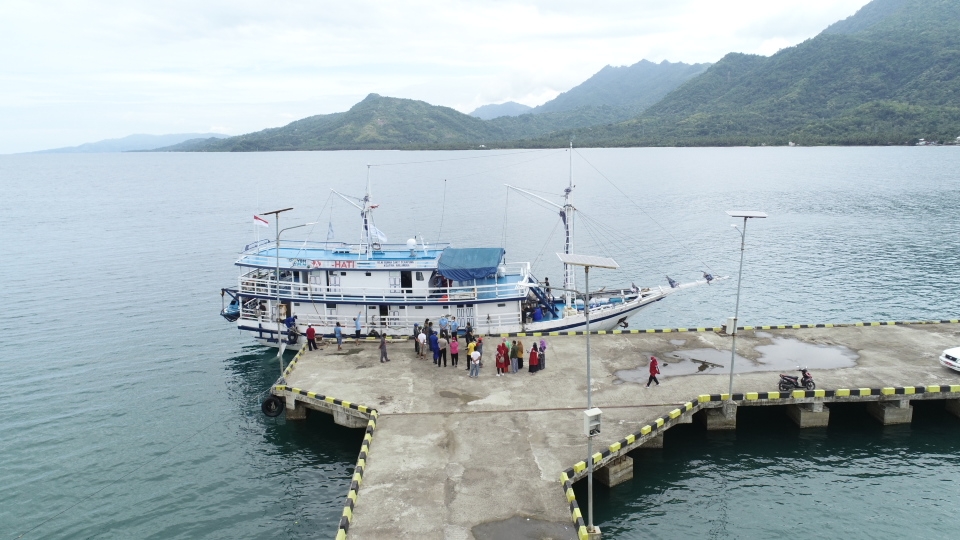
pixel 338 333
pixel 311 337
pixel 475 364
pixel 416 340
pixel 383 348
pixel 356 323
pixel 442 344
pixel 654 371
pixel 479 349
pixel 543 354
pixel 454 351
pixel 513 356
pixel 422 340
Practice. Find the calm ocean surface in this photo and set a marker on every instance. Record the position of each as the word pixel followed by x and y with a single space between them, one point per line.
pixel 132 407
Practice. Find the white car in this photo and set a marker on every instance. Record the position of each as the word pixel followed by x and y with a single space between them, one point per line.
pixel 951 358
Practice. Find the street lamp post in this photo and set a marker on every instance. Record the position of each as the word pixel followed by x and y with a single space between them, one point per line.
pixel 276 307
pixel 586 261
pixel 745 214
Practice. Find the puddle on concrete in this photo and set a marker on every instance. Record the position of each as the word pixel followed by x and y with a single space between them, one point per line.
pixel 787 354
pixel 464 398
pixel 678 342
pixel 783 354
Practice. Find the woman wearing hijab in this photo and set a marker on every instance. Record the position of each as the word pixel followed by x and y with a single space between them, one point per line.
pixel 502 358
pixel 543 354
pixel 519 354
pixel 534 360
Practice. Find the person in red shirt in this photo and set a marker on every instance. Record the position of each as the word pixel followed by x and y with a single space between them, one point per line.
pixel 654 371
pixel 311 338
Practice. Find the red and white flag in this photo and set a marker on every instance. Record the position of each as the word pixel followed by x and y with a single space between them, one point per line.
pixel 257 220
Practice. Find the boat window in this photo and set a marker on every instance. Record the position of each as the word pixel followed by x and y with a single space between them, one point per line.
pixel 369 274
pixel 417 307
pixel 331 306
pixel 419 276
pixel 343 273
pixel 501 305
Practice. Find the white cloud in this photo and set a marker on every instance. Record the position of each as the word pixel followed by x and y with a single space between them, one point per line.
pixel 78 71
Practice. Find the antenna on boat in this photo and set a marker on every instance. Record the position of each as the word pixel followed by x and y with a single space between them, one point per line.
pixel 566 215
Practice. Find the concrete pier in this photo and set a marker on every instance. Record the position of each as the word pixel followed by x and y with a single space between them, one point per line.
pixel 483 458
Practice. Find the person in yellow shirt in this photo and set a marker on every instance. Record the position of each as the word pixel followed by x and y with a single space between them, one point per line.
pixel 472 346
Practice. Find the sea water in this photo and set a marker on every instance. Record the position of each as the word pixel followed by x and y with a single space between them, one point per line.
pixel 132 408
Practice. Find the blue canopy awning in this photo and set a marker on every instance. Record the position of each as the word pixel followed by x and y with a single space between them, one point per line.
pixel 469 263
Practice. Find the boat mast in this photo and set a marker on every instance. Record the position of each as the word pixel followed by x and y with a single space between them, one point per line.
pixel 566 214
pixel 365 238
pixel 369 229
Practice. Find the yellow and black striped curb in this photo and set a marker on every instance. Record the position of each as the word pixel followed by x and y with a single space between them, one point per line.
pixel 293 363
pixel 720 328
pixel 347 516
pixel 658 426
pixel 313 395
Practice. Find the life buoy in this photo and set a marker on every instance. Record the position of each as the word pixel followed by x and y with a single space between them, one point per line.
pixel 272 406
pixel 292 338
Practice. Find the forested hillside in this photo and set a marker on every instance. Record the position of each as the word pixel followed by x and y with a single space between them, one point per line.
pixel 888 75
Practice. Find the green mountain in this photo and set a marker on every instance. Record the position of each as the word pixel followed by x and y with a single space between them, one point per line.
pixel 631 88
pixel 380 123
pixel 375 123
pixel 496 110
pixel 887 75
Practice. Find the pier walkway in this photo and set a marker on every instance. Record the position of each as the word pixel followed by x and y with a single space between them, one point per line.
pixel 453 457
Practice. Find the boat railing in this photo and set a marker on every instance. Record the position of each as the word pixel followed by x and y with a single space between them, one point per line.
pixel 312 292
pixel 393 324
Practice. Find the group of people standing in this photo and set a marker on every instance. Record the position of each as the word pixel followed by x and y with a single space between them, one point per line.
pixel 447 340
pixel 510 357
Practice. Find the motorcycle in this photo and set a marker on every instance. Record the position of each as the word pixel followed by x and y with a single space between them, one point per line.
pixel 803 382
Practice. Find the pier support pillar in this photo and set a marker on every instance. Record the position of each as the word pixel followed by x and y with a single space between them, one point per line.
pixel 594 534
pixel 616 472
pixel 295 409
pixel 723 418
pixel 953 406
pixel 654 443
pixel 341 417
pixel 892 412
pixel 807 415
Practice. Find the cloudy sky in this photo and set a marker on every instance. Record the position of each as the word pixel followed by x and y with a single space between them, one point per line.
pixel 74 71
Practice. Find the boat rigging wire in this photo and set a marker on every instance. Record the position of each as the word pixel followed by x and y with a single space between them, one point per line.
pixel 546 243
pixel 651 218
pixel 443 209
